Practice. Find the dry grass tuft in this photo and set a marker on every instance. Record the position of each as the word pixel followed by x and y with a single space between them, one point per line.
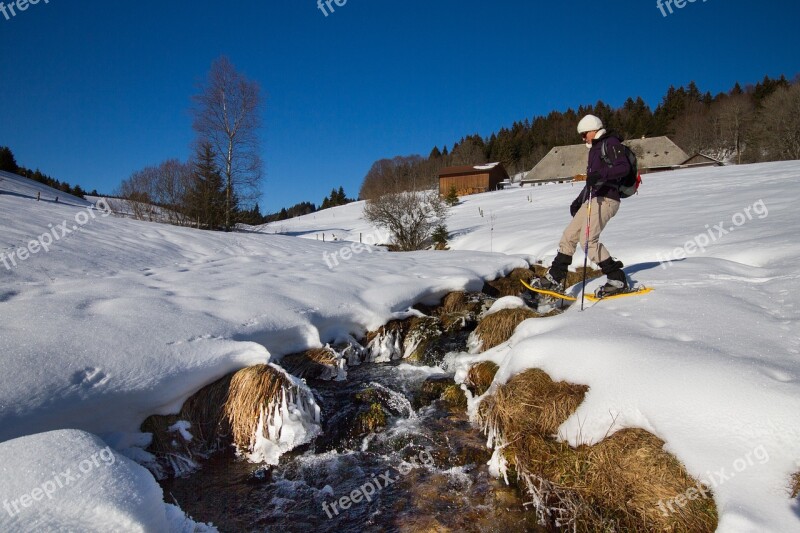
pixel 205 410
pixel 209 427
pixel 394 327
pixel 572 277
pixel 546 406
pixel 576 277
pixel 616 484
pixel 319 363
pixel 458 312
pixel 455 302
pixel 795 484
pixel 480 377
pixel 498 327
pixel 164 442
pixel 253 391
pixel 509 285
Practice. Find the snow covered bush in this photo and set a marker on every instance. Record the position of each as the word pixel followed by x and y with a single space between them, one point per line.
pixel 411 217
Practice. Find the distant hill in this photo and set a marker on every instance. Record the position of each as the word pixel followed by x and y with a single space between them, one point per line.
pixel 17 185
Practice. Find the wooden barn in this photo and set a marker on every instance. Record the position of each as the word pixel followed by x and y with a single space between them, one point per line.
pixel 472 179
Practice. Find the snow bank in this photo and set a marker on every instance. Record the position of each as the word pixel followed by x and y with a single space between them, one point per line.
pixel 73 481
pixel 506 302
pixel 122 319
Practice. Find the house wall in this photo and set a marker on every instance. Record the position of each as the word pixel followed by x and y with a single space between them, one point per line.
pixel 465 185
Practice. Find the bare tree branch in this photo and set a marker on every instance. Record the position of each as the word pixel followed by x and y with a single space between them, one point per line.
pixel 227 114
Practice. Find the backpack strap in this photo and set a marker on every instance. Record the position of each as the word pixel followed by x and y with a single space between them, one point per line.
pixel 607 161
pixel 604 153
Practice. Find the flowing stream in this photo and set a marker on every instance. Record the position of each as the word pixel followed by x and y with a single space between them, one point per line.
pixel 425 470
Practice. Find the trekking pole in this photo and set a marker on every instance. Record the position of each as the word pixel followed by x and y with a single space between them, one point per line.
pixel 586 246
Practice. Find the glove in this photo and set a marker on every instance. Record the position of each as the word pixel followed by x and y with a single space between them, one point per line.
pixel 593 179
pixel 574 208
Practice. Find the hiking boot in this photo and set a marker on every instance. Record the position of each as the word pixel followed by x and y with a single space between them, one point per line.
pixel 548 283
pixel 611 288
pixel 553 280
pixel 616 281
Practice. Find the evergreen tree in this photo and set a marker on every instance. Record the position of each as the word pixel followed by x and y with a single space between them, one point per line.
pixel 764 89
pixel 7 161
pixel 452 196
pixel 206 198
pixel 440 236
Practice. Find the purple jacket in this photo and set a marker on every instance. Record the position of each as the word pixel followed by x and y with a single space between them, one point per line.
pixel 611 175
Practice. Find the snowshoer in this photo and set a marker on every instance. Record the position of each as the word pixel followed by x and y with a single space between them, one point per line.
pixel 603 181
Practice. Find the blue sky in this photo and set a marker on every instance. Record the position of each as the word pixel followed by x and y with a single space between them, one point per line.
pixel 94 90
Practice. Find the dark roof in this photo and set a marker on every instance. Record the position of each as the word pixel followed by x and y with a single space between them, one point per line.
pixel 700 158
pixel 472 169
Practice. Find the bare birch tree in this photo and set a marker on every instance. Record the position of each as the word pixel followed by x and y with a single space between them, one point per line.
pixel 227 114
pixel 735 114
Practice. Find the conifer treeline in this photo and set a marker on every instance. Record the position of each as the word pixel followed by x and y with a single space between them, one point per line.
pixel 740 126
pixel 335 199
pixel 8 163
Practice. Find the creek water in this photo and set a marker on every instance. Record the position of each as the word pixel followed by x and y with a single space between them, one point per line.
pixel 425 470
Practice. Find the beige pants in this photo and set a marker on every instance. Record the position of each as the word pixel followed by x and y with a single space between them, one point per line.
pixel 603 210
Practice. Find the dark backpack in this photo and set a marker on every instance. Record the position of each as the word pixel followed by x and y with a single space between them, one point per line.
pixel 629 184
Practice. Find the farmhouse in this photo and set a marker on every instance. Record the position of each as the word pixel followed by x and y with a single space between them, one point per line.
pixel 700 160
pixel 565 163
pixel 472 179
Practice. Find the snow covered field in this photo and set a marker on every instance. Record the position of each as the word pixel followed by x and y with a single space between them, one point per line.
pixel 123 319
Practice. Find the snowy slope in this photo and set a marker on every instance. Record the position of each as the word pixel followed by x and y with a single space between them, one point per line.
pixel 709 362
pixel 672 207
pixel 122 319
pixel 24 188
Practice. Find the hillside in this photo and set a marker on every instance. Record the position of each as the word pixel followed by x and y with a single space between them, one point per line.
pixel 14 184
pixel 121 319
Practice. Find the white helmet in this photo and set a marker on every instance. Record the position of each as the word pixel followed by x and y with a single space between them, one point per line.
pixel 589 123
